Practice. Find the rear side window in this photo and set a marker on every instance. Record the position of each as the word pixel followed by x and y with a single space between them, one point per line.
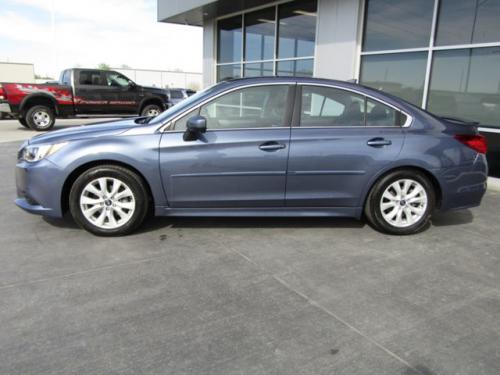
pixel 66 77
pixel 327 106
pixel 90 77
pixel 379 114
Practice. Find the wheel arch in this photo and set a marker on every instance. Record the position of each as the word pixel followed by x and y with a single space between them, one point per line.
pixel 151 100
pixel 38 99
pixel 70 180
pixel 431 176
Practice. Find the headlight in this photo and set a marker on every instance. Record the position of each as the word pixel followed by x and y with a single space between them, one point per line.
pixel 32 153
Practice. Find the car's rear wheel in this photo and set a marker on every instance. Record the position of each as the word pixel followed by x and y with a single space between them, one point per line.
pixel 109 200
pixel 151 110
pixel 40 118
pixel 401 202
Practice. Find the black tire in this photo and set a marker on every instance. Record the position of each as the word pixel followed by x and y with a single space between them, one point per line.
pixel 147 110
pixel 33 118
pixel 373 211
pixel 134 182
pixel 23 122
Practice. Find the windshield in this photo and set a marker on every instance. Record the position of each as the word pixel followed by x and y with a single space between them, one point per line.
pixel 184 104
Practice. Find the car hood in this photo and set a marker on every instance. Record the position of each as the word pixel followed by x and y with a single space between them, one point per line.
pixel 86 131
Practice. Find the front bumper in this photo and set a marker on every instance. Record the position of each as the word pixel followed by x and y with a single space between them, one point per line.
pixel 39 188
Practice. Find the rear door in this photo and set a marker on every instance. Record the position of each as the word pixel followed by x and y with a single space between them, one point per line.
pixel 342 139
pixel 240 161
pixel 89 92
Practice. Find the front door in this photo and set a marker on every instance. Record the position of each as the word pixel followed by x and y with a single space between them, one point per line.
pixel 342 140
pixel 240 161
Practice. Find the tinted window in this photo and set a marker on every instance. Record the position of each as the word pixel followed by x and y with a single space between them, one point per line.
pixel 176 94
pixel 253 107
pixel 259 69
pixel 397 24
pixel 297 29
pixel 401 74
pixel 379 114
pixel 468 21
pixel 229 39
pixel 90 77
pixel 301 68
pixel 228 71
pixel 259 34
pixel 324 106
pixel 115 79
pixel 466 83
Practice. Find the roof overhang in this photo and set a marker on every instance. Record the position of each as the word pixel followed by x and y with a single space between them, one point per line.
pixel 195 12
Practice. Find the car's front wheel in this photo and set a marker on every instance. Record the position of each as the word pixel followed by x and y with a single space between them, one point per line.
pixel 401 202
pixel 109 200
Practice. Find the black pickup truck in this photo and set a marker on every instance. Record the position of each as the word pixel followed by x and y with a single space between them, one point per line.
pixel 80 92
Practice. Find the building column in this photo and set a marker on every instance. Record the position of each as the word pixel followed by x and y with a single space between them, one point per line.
pixel 209 34
pixel 338 37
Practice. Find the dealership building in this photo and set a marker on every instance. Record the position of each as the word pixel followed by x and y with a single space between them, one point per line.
pixel 442 55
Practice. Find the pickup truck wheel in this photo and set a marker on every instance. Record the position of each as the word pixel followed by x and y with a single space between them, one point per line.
pixel 23 122
pixel 40 118
pixel 109 200
pixel 151 110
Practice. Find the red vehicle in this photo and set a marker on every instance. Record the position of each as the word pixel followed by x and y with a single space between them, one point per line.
pixel 80 92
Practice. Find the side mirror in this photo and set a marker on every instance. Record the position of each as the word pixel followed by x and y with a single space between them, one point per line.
pixel 195 126
pixel 131 85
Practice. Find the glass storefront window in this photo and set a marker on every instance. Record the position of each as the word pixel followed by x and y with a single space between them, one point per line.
pixel 399 24
pixel 258 69
pixel 301 68
pixel 468 21
pixel 229 40
pixel 297 29
pixel 228 71
pixel 401 74
pixel 465 83
pixel 259 34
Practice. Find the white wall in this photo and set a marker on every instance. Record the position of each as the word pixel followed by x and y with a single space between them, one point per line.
pixel 17 72
pixel 209 58
pixel 163 78
pixel 337 39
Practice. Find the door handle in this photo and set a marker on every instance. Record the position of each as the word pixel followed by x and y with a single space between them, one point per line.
pixel 379 142
pixel 272 146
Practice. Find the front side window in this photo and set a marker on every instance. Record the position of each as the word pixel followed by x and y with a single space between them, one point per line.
pixel 326 106
pixel 115 79
pixel 252 107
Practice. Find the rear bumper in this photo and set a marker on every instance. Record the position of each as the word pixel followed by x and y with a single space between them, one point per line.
pixel 464 186
pixel 5 107
pixel 39 187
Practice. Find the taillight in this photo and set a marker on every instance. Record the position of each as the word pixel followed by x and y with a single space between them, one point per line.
pixel 2 94
pixel 476 142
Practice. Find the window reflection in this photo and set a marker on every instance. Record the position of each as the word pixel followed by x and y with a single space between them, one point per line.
pixel 401 74
pixel 229 40
pixel 259 34
pixel 301 68
pixel 397 24
pixel 468 21
pixel 466 83
pixel 258 69
pixel 228 71
pixel 297 29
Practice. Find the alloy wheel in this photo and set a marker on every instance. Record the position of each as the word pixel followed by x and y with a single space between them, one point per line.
pixel 404 203
pixel 107 203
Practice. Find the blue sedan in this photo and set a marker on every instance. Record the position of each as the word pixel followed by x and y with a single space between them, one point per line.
pixel 260 147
